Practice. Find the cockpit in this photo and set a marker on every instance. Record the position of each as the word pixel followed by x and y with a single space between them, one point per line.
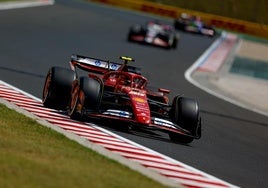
pixel 132 80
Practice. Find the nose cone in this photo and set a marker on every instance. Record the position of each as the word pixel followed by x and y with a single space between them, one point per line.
pixel 140 106
pixel 144 119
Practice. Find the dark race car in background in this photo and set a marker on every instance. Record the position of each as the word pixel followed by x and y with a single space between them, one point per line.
pixel 193 24
pixel 154 33
pixel 120 94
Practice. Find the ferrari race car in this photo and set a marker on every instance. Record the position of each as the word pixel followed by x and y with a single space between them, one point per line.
pixel 193 24
pixel 154 33
pixel 117 92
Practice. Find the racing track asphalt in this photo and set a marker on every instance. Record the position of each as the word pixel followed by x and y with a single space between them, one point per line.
pixel 233 146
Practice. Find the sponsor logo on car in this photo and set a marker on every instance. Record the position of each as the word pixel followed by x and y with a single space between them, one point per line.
pixel 113 66
pixel 97 63
pixel 119 113
pixel 136 93
pixel 138 99
pixel 163 122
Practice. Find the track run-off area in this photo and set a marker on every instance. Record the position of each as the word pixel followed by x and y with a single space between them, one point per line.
pixel 232 148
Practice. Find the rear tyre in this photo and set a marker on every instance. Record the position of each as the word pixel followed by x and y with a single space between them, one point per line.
pixel 74 108
pixel 57 88
pixel 179 25
pixel 185 113
pixel 134 31
pixel 86 97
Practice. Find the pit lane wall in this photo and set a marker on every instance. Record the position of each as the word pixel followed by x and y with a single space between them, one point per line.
pixel 221 22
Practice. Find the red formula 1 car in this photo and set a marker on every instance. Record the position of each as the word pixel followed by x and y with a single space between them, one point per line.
pixel 154 33
pixel 118 92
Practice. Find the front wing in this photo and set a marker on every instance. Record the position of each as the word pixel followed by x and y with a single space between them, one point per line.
pixel 156 123
pixel 202 31
pixel 149 40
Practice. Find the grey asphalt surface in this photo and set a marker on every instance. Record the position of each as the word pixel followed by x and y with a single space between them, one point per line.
pixel 234 142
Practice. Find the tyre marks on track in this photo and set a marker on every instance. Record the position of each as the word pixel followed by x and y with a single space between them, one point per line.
pixel 164 169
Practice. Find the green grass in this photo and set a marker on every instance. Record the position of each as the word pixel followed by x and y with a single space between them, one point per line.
pixel 35 156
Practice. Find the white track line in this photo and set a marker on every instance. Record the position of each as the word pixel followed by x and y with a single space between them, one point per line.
pixel 24 4
pixel 199 62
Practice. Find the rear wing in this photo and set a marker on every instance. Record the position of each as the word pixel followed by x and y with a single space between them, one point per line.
pixel 92 64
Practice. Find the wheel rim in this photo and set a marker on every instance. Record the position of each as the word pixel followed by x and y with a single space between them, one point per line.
pixel 74 99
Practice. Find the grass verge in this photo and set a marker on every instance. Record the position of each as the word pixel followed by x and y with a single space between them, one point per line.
pixel 35 156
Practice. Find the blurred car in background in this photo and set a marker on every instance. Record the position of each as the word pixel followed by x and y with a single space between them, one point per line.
pixel 154 33
pixel 193 24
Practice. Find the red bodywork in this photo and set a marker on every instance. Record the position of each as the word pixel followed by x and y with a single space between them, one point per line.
pixel 121 81
pixel 133 85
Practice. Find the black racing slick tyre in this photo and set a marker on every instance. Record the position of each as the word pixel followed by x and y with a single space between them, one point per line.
pixel 179 25
pixel 57 88
pixel 134 31
pixel 86 97
pixel 185 113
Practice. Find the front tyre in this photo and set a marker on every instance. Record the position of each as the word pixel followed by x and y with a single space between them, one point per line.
pixel 185 113
pixel 57 88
